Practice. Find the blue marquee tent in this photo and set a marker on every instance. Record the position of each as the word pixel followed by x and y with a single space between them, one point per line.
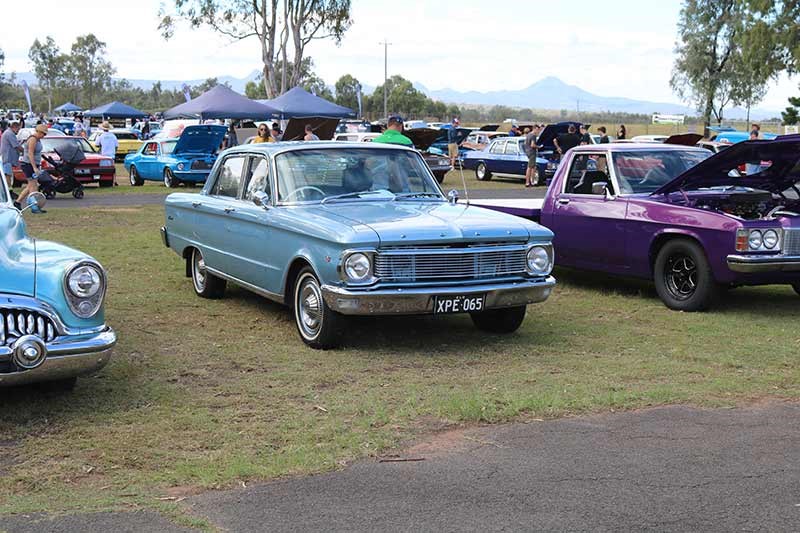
pixel 115 110
pixel 221 102
pixel 299 103
pixel 67 108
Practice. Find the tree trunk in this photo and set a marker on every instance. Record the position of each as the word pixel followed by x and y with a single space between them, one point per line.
pixel 709 106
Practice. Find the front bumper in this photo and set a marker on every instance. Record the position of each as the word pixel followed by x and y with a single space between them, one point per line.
pixel 66 357
pixel 420 301
pixel 761 263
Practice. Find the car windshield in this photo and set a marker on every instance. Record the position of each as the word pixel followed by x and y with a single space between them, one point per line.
pixel 50 145
pixel 644 171
pixel 168 147
pixel 353 174
pixel 125 136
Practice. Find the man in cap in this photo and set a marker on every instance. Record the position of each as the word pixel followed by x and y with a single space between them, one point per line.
pixel 394 133
pixel 452 137
pixel 107 141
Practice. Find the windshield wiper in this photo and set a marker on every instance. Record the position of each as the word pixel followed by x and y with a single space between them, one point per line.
pixel 357 194
pixel 421 194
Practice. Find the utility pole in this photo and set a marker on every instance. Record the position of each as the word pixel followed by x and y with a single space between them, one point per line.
pixel 385 44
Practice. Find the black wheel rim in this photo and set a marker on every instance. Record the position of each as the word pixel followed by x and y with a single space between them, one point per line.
pixel 680 276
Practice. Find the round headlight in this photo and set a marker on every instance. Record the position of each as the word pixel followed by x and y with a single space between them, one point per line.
pixel 180 166
pixel 357 267
pixel 84 282
pixel 539 261
pixel 770 239
pixel 755 241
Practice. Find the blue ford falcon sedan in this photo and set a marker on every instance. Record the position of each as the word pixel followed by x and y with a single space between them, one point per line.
pixel 52 326
pixel 337 229
pixel 187 159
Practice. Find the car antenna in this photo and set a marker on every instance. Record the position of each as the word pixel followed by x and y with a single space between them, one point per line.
pixel 464 182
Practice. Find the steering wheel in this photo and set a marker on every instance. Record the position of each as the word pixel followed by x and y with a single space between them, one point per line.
pixel 302 190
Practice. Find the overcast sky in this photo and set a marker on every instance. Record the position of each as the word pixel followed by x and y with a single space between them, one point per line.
pixel 615 48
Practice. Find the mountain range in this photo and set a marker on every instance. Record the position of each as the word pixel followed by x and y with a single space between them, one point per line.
pixel 548 93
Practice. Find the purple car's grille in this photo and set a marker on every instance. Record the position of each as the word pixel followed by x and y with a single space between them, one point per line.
pixel 791 242
pixel 450 263
pixel 16 323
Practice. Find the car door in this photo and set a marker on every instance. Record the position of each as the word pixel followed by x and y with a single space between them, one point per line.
pixel 494 163
pixel 248 225
pixel 589 228
pixel 516 161
pixel 215 227
pixel 146 165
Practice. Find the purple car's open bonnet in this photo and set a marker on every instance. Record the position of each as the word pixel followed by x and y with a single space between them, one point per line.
pixel 784 171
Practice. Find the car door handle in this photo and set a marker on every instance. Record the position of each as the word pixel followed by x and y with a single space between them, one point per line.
pixel 229 209
pixel 563 201
pixel 196 204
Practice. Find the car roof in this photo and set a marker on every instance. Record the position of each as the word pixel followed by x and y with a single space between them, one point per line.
pixel 296 146
pixel 629 147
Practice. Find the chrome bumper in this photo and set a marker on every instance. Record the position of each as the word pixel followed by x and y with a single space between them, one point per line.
pixel 420 301
pixel 66 357
pixel 761 263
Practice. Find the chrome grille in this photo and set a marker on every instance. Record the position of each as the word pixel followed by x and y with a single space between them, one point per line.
pixel 450 263
pixel 791 242
pixel 199 164
pixel 15 323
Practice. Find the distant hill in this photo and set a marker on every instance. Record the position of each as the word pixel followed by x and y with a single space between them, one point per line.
pixel 552 93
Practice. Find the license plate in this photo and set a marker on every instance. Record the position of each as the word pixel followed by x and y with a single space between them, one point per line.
pixel 458 304
pixel 96 177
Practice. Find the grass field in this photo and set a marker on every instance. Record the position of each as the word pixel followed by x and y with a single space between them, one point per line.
pixel 206 394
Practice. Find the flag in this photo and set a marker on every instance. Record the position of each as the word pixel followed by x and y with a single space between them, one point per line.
pixel 186 92
pixel 27 91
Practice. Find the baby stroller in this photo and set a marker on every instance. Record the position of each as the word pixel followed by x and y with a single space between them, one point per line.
pixel 70 155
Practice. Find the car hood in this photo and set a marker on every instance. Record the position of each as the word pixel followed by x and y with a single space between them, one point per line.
pixel 684 139
pixel 409 222
pixel 423 138
pixel 17 255
pixel 551 131
pixel 200 138
pixel 783 152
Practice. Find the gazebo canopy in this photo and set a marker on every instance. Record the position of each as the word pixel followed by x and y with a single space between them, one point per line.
pixel 115 110
pixel 67 108
pixel 298 103
pixel 221 102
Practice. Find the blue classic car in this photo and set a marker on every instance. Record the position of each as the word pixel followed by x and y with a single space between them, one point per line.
pixel 504 157
pixel 52 326
pixel 188 158
pixel 335 229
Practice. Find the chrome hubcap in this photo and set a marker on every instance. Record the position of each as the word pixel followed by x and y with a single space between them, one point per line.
pixel 481 171
pixel 199 271
pixel 309 308
pixel 681 277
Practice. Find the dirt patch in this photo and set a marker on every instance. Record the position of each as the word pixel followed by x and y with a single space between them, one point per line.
pixel 182 491
pixel 117 210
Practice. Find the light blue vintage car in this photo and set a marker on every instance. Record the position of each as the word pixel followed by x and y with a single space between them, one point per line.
pixel 335 229
pixel 52 325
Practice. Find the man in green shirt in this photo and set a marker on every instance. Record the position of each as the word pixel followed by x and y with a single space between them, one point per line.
pixel 394 133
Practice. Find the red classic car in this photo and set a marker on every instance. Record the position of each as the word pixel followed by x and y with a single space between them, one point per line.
pixel 95 168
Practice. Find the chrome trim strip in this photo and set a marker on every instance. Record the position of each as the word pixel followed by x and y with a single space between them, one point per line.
pixel 249 286
pixel 762 263
pixel 416 301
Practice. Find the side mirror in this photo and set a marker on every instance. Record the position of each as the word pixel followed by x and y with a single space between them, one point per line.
pixel 600 188
pixel 452 197
pixel 38 198
pixel 261 199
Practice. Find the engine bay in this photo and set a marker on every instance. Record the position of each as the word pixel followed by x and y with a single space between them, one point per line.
pixel 745 203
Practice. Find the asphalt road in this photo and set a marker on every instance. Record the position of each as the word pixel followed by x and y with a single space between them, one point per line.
pixel 663 469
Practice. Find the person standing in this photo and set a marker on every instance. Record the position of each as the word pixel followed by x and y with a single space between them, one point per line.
pixel 10 149
pixel 393 133
pixel 78 130
pixel 567 141
pixel 107 142
pixel 585 137
pixel 310 135
pixel 755 128
pixel 263 135
pixel 532 151
pixel 603 135
pixel 452 144
pixel 32 167
pixel 622 133
pixel 753 167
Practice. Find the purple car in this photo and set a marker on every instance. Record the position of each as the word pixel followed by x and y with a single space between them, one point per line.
pixel 693 222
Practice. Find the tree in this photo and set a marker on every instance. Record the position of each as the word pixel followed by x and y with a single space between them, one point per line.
pixel 792 114
pixel 275 23
pixel 91 70
pixel 48 66
pixel 347 88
